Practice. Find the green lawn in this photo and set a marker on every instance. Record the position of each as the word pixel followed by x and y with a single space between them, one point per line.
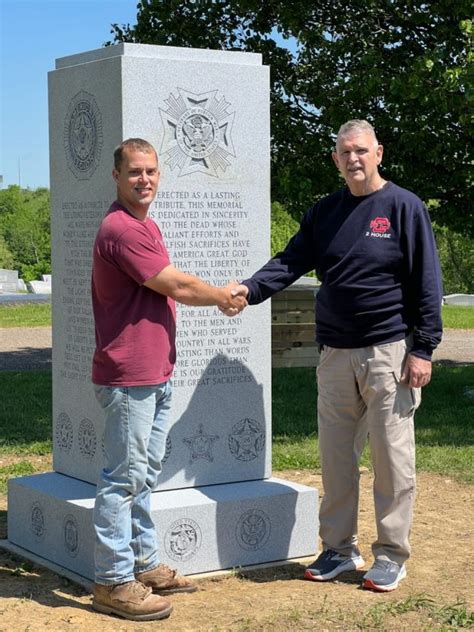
pixel 444 429
pixel 36 315
pixel 458 317
pixel 25 315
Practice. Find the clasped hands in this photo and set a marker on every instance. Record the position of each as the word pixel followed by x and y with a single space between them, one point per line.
pixel 234 299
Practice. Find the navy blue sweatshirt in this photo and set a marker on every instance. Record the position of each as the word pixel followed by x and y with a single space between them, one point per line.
pixel 376 258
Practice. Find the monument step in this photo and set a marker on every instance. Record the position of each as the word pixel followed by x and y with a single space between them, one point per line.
pixel 199 529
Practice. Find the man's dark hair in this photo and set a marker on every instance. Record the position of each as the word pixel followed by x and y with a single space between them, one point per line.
pixel 135 144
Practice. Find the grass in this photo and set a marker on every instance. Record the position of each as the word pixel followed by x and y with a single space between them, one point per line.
pixel 417 611
pixel 26 315
pixel 454 616
pixel 444 429
pixel 39 315
pixel 458 317
pixel 26 426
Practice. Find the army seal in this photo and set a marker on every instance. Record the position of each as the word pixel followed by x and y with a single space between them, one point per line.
pixel 253 529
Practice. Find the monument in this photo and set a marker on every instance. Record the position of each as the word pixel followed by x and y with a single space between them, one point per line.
pixel 207 112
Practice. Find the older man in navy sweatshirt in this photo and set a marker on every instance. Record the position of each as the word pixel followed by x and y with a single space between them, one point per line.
pixel 378 320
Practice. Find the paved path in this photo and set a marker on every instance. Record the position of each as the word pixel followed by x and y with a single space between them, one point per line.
pixel 30 348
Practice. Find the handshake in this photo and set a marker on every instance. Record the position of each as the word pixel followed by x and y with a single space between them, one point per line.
pixel 234 299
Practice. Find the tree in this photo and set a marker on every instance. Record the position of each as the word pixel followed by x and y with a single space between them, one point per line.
pixel 25 230
pixel 401 64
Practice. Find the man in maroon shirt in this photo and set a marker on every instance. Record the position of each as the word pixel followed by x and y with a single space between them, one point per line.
pixel 134 289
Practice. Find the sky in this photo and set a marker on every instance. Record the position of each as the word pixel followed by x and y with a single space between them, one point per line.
pixel 34 33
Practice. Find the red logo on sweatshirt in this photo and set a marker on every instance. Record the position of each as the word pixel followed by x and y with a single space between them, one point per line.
pixel 379 225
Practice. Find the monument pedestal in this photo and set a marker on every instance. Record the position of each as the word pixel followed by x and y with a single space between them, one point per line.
pixel 207 114
pixel 201 529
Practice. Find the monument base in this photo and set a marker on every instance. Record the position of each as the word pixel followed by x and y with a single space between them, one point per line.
pixel 201 529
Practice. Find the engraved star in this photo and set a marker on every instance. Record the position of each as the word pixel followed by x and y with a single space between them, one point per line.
pixel 247 441
pixel 201 445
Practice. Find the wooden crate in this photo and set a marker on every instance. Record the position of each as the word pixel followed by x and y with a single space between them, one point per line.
pixel 293 329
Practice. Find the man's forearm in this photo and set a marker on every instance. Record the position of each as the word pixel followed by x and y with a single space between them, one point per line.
pixel 190 290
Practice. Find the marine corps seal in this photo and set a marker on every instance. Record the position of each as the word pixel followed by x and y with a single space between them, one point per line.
pixel 183 539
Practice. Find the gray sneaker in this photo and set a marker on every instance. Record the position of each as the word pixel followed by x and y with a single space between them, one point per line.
pixel 330 564
pixel 384 576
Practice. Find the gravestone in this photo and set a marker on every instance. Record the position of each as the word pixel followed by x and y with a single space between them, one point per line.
pixel 8 281
pixel 459 299
pixel 40 287
pixel 207 113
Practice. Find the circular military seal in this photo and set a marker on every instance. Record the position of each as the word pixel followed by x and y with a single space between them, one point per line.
pixel 64 432
pixel 183 539
pixel 83 136
pixel 37 521
pixel 197 132
pixel 71 535
pixel 247 439
pixel 87 438
pixel 167 449
pixel 253 529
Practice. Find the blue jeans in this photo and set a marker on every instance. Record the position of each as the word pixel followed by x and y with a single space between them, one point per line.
pixel 136 426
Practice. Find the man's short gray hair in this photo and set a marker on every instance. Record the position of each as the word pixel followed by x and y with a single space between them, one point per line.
pixel 356 126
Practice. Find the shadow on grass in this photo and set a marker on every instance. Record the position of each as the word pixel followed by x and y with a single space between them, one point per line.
pixel 26 358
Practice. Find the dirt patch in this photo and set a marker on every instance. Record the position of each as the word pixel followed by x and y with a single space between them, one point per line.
pixel 440 574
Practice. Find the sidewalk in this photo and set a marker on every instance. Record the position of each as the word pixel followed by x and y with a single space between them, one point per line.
pixel 24 348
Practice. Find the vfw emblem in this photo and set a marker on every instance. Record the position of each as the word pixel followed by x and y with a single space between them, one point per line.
pixel 197 132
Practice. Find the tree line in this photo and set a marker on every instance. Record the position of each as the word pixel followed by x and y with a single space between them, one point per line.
pixel 25 231
pixel 25 239
pixel 404 65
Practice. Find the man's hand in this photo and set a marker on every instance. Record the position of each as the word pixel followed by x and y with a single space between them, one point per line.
pixel 416 372
pixel 238 296
pixel 232 302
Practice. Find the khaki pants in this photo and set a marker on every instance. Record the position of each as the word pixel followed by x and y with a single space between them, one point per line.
pixel 360 394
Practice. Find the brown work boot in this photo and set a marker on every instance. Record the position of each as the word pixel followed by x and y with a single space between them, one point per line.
pixel 165 580
pixel 131 600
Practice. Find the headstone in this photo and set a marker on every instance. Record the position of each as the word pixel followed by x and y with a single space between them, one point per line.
pixel 8 281
pixel 39 287
pixel 459 299
pixel 207 113
pixel 21 286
